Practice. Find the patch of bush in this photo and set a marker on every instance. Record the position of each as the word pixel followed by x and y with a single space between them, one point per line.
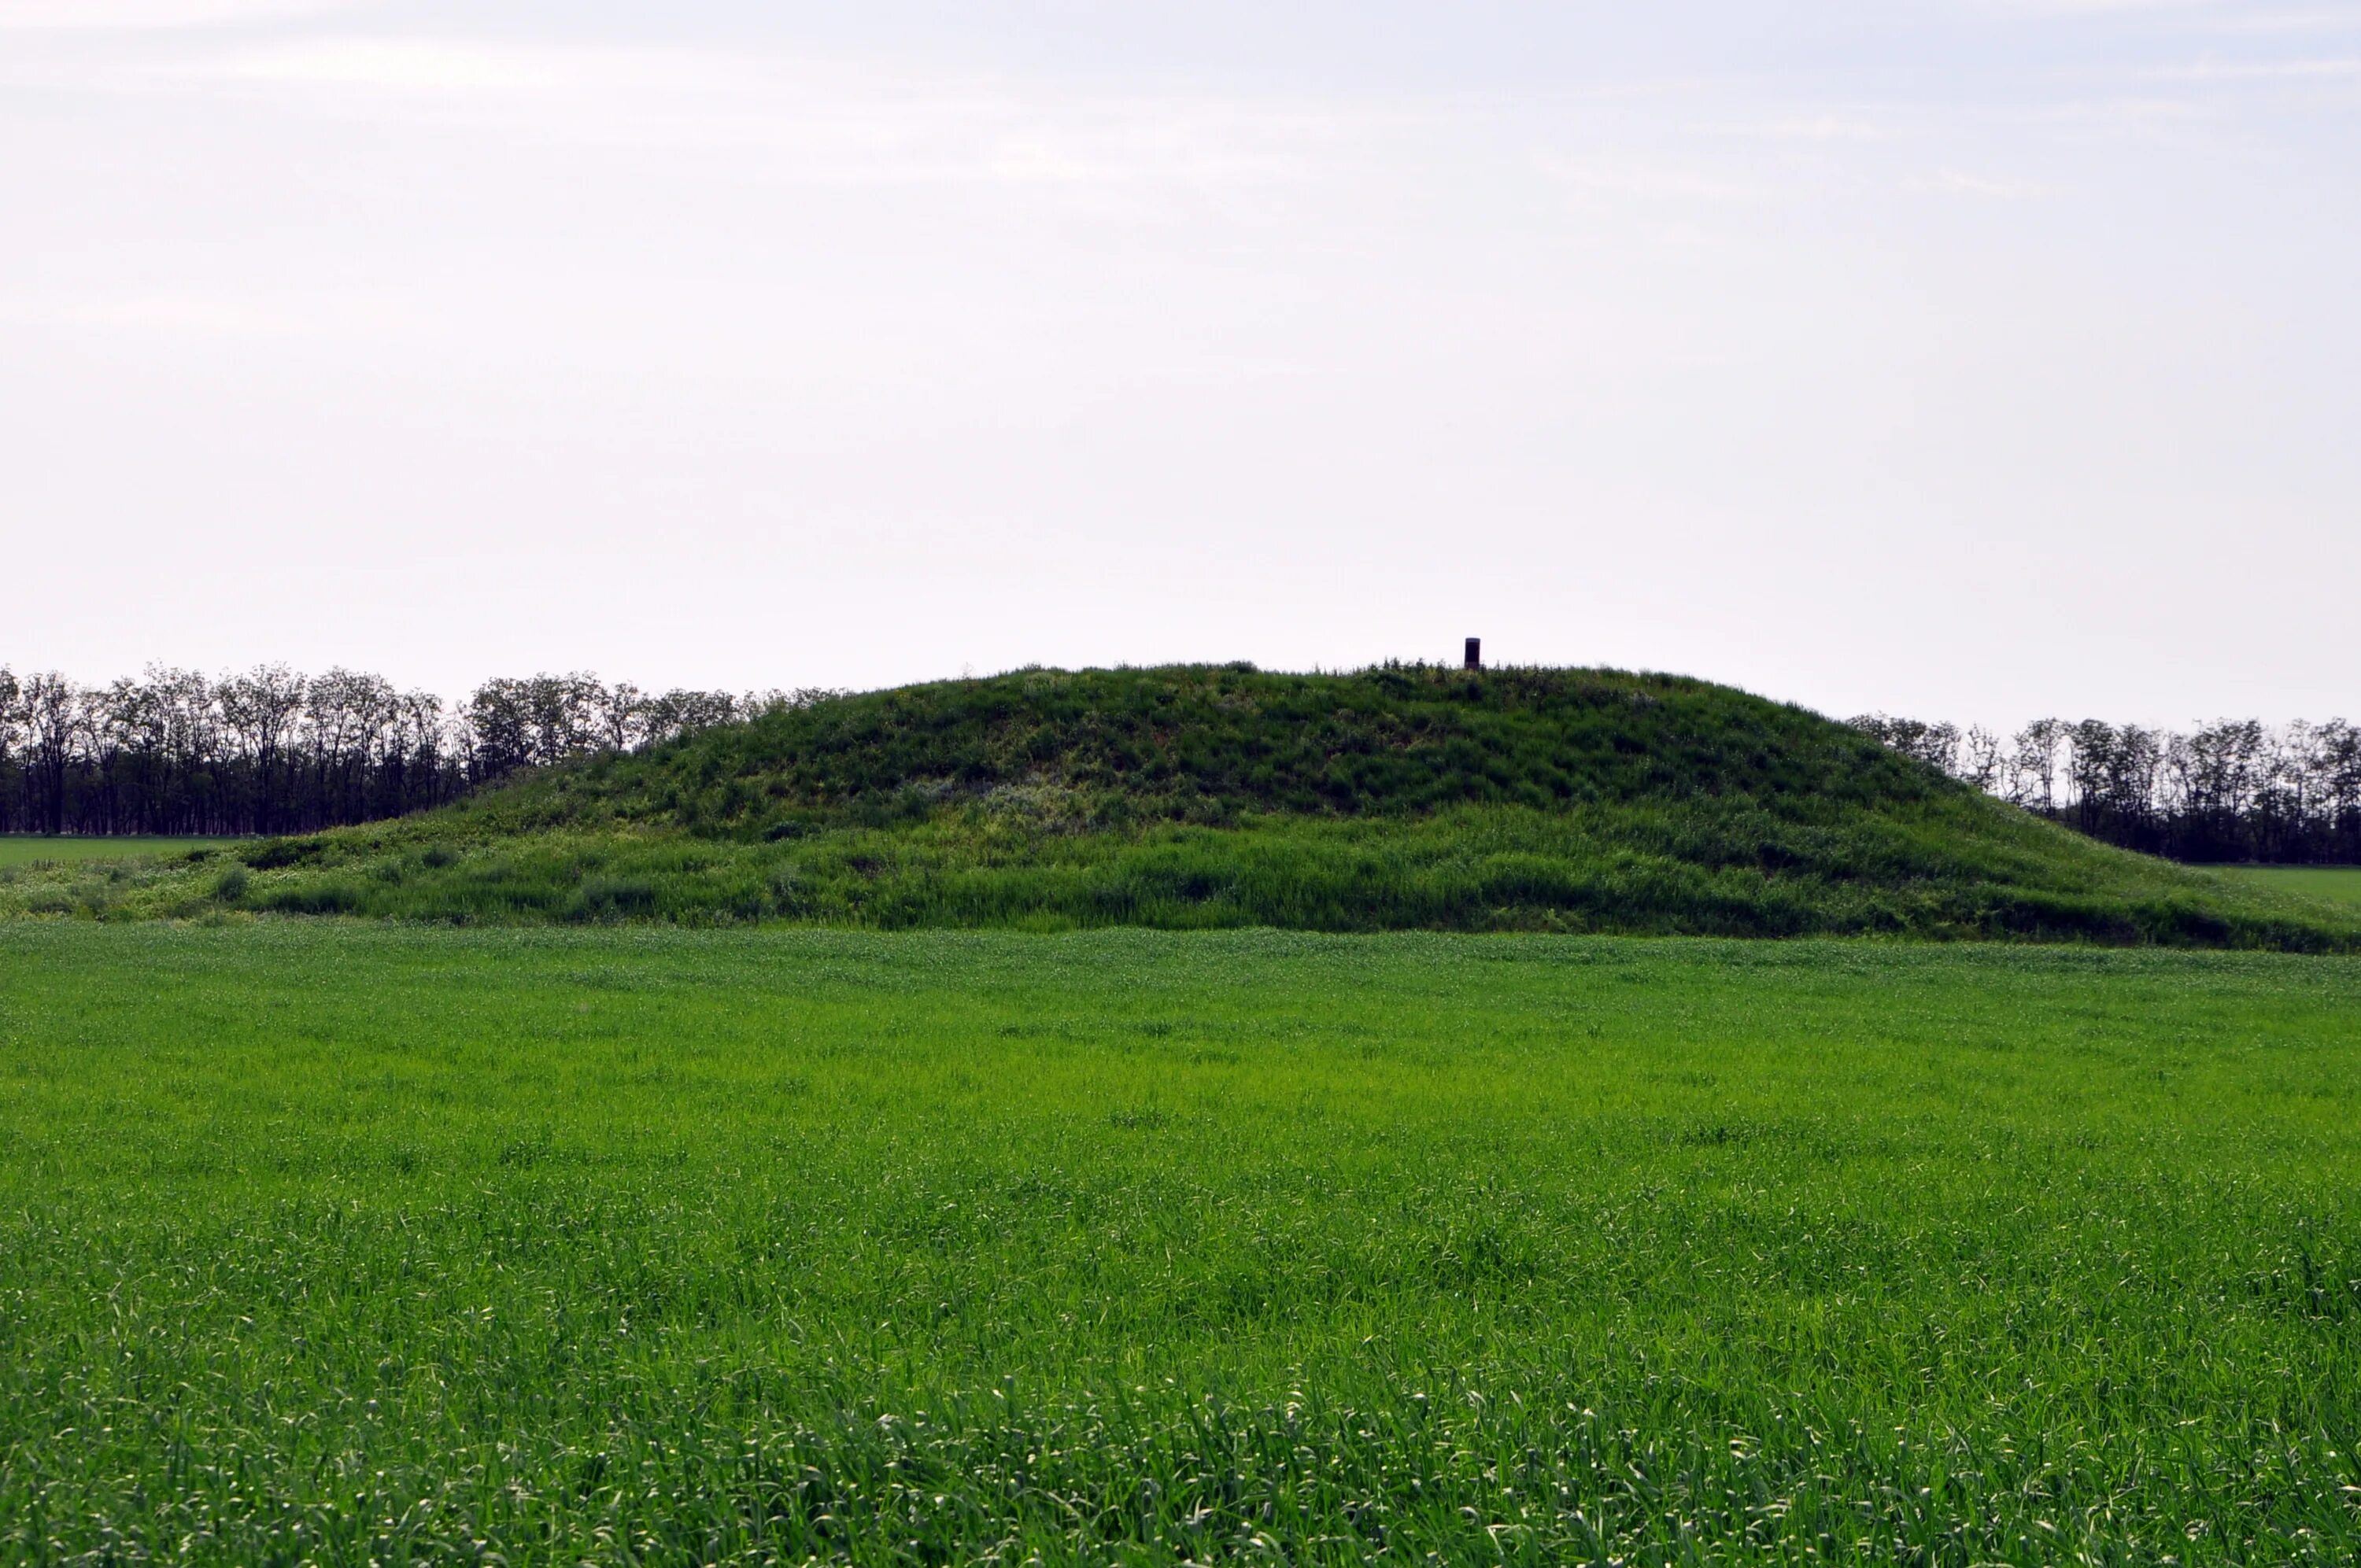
pixel 326 897
pixel 276 854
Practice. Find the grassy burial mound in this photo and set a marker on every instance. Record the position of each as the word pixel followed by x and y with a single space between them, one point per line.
pixel 1222 796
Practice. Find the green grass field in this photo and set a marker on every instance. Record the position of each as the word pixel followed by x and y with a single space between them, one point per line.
pixel 2334 884
pixel 338 1243
pixel 25 850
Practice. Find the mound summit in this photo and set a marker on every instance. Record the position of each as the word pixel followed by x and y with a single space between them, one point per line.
pixel 1394 797
pixel 1220 745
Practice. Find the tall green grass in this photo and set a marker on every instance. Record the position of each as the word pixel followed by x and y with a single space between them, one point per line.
pixel 1944 869
pixel 344 1243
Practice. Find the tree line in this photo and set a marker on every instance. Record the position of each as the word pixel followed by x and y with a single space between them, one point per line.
pixel 2236 790
pixel 272 751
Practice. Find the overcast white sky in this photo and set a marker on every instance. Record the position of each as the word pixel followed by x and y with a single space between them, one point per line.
pixel 1977 358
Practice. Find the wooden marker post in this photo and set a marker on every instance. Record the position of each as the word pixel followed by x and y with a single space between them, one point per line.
pixel 1475 653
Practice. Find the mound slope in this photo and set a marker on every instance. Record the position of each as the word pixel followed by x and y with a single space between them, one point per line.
pixel 1213 745
pixel 1223 796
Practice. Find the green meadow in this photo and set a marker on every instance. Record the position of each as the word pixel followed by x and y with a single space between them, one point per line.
pixel 25 850
pixel 2332 884
pixel 335 1243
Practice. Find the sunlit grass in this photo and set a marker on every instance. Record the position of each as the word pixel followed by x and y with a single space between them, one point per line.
pixel 362 1243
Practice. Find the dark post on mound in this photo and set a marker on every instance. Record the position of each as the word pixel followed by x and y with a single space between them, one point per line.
pixel 1475 653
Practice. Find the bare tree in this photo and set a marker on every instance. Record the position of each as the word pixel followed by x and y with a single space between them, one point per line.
pixel 1981 761
pixel 621 715
pixel 262 707
pixel 2033 765
pixel 52 715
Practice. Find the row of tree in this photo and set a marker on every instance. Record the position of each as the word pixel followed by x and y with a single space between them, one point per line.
pixel 272 751
pixel 2238 790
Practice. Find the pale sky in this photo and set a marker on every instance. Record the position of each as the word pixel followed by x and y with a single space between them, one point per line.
pixel 1968 359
